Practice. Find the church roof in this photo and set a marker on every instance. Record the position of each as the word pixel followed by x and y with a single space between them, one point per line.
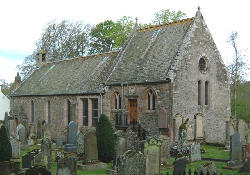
pixel 74 76
pixel 149 53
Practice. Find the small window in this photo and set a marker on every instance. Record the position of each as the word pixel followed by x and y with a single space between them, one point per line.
pixel 206 93
pixel 32 111
pixel 151 100
pixel 202 64
pixel 117 101
pixel 94 112
pixel 85 111
pixel 199 92
pixel 69 111
pixel 49 113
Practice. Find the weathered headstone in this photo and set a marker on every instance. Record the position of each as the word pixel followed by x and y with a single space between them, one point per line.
pixel 66 166
pixel 26 161
pixel 120 145
pixel 15 144
pixel 152 151
pixel 21 133
pixel 165 149
pixel 71 141
pixel 6 123
pixel 131 162
pixel 235 147
pixel 163 115
pixel 59 140
pixel 39 159
pixel 180 165
pixel 80 144
pixel 194 152
pixel 39 130
pixel 90 145
pixel 208 167
pixel 46 147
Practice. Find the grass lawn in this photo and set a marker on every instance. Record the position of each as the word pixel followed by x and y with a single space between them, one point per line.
pixel 211 152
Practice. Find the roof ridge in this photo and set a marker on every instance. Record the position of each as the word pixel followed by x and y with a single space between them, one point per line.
pixel 154 27
pixel 81 58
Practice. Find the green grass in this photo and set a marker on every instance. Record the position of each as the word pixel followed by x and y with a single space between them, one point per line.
pixel 215 152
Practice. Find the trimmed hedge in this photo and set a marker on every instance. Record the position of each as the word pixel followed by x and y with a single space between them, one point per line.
pixel 105 139
pixel 5 146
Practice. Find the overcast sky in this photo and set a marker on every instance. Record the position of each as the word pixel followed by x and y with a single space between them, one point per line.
pixel 22 22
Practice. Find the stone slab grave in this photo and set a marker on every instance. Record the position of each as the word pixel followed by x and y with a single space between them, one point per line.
pixel 180 165
pixel 71 139
pixel 90 146
pixel 80 144
pixel 26 161
pixel 15 145
pixel 152 151
pixel 165 149
pixel 131 162
pixel 67 166
pixel 195 153
pixel 59 141
pixel 235 147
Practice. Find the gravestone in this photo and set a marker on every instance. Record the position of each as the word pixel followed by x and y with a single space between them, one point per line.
pixel 59 140
pixel 80 144
pixel 6 123
pixel 46 147
pixel 246 167
pixel 39 159
pixel 71 141
pixel 66 166
pixel 39 130
pixel 21 133
pixel 120 143
pixel 152 151
pixel 180 165
pixel 131 162
pixel 194 152
pixel 15 145
pixel 26 161
pixel 163 115
pixel 235 147
pixel 90 145
pixel 165 149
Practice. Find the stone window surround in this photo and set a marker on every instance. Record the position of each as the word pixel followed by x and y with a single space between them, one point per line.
pixel 32 111
pixel 48 112
pixel 80 109
pixel 150 94
pixel 117 100
pixel 203 93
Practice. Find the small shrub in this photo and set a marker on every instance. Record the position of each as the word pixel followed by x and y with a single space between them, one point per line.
pixel 105 139
pixel 5 146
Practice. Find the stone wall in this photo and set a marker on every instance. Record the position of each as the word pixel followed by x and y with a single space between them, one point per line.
pixel 199 44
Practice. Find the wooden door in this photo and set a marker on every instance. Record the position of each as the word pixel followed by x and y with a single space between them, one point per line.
pixel 133 111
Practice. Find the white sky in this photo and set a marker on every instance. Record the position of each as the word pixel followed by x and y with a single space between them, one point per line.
pixel 22 21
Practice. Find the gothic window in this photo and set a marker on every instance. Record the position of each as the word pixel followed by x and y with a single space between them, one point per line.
pixel 151 100
pixel 69 110
pixel 32 111
pixel 94 111
pixel 117 101
pixel 199 92
pixel 202 64
pixel 85 111
pixel 206 93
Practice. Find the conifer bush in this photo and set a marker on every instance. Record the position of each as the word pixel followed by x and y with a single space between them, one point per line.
pixel 105 139
pixel 5 146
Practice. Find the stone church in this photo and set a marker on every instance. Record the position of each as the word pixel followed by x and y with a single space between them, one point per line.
pixel 161 76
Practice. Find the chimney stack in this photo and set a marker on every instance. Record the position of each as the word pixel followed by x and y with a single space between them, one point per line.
pixel 17 81
pixel 41 58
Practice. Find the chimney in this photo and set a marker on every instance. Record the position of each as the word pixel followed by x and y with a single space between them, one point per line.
pixel 41 58
pixel 17 81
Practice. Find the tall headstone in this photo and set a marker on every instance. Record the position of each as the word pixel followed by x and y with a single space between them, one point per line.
pixel 71 140
pixel 39 159
pixel 6 123
pixel 194 152
pixel 120 145
pixel 90 145
pixel 21 135
pixel 15 144
pixel 46 147
pixel 67 166
pixel 152 151
pixel 131 162
pixel 227 144
pixel 235 147
pixel 59 140
pixel 80 144
pixel 180 165
pixel 26 161
pixel 165 149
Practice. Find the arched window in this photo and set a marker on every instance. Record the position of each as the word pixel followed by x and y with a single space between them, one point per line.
pixel 151 100
pixel 206 92
pixel 117 101
pixel 199 92
pixel 32 111
pixel 202 64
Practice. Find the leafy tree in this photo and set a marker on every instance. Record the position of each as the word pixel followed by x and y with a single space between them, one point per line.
pixel 7 88
pixel 166 16
pixel 28 66
pixel 105 139
pixel 5 146
pixel 110 35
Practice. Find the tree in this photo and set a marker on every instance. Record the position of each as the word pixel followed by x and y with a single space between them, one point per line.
pixel 109 35
pixel 7 88
pixel 236 70
pixel 166 16
pixel 105 139
pixel 5 146
pixel 28 66
pixel 64 40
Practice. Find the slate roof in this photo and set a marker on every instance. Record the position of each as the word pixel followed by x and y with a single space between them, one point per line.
pixel 74 76
pixel 149 53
